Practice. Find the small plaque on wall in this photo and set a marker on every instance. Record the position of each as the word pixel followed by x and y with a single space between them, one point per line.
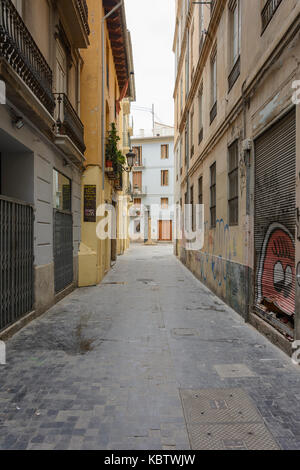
pixel 90 203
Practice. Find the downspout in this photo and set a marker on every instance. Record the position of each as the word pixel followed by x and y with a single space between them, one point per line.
pixel 103 87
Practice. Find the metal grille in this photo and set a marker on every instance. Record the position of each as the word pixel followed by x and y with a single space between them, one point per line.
pixel 275 220
pixel 16 260
pixel 63 250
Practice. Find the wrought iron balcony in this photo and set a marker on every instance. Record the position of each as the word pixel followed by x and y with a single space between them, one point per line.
pixel 139 190
pixel 19 49
pixel 68 123
pixel 268 12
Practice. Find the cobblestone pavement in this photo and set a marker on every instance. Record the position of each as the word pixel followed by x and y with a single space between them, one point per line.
pixel 103 368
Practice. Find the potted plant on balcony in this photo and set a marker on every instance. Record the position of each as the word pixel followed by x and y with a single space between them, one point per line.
pixel 113 156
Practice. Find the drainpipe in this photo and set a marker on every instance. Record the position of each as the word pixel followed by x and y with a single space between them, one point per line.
pixel 103 87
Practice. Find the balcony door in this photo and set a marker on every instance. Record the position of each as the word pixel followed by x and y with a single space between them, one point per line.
pixel 137 180
pixel 61 69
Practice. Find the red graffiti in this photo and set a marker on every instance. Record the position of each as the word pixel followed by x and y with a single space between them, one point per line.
pixel 278 270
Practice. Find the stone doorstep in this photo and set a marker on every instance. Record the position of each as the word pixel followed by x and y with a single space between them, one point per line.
pixel 11 330
pixel 273 335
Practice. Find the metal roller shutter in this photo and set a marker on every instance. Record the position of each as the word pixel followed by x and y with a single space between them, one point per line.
pixel 275 207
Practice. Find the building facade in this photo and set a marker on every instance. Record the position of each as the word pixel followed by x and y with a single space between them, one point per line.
pixel 107 89
pixel 152 182
pixel 42 152
pixel 237 152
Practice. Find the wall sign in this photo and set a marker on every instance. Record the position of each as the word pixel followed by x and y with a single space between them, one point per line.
pixel 90 203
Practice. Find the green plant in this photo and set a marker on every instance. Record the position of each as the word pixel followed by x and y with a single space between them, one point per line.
pixel 112 152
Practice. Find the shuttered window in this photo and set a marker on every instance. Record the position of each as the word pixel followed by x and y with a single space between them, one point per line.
pixel 165 177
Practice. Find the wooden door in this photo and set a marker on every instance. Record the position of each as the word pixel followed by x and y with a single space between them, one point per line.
pixel 165 230
pixel 137 180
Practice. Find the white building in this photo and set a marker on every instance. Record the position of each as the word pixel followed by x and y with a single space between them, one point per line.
pixel 152 181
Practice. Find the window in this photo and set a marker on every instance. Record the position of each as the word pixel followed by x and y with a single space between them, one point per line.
pixel 164 202
pixel 235 42
pixel 201 23
pixel 200 110
pixel 137 202
pixel 192 52
pixel 62 192
pixel 214 79
pixel 192 134
pixel 137 180
pixel 165 177
pixel 192 207
pixel 181 94
pixel 164 152
pixel 235 31
pixel 213 72
pixel 187 67
pixel 107 65
pixel 213 195
pixel 268 12
pixel 200 190
pixel 186 146
pixel 138 156
pixel 233 184
pixel 180 154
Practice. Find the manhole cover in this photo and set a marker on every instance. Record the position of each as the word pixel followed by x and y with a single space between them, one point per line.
pixel 232 371
pixel 253 436
pixel 224 419
pixel 217 406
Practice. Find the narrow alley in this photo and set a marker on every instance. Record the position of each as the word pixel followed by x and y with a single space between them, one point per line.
pixel 127 365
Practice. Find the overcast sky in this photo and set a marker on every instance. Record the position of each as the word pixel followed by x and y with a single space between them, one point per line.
pixel 151 23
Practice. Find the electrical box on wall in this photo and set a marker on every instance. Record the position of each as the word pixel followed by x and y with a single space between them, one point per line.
pixel 247 144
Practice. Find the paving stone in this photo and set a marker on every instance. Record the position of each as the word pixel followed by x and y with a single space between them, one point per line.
pixel 149 340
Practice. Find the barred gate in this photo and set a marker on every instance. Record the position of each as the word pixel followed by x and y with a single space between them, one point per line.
pixel 63 250
pixel 16 260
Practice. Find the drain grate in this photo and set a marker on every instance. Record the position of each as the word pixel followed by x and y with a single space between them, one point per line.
pixel 224 419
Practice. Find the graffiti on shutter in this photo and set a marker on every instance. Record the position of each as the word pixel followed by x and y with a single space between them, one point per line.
pixel 275 219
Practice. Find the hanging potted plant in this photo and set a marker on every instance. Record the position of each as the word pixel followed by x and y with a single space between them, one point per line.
pixel 113 156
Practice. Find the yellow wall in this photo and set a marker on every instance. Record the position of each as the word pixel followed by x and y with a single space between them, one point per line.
pixel 95 255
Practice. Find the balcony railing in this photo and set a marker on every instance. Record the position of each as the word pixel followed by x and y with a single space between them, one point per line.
pixel 139 191
pixel 68 122
pixel 19 49
pixel 268 12
pixel 235 73
pixel 84 14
